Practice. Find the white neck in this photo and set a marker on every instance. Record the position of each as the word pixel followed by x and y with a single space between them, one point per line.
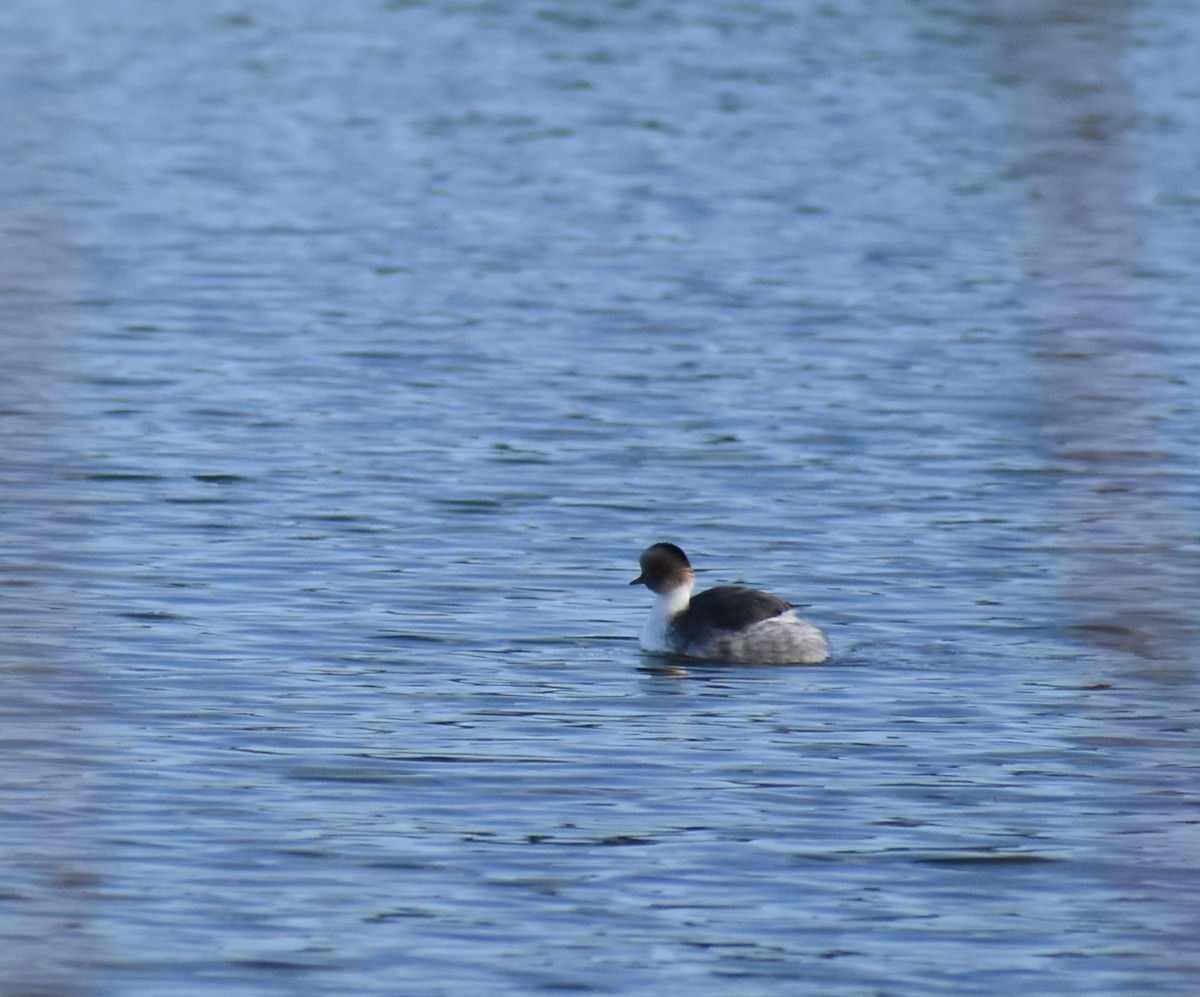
pixel 667 605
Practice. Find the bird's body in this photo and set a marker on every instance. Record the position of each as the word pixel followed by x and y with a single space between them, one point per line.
pixel 727 623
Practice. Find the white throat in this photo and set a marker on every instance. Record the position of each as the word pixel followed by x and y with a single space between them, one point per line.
pixel 667 605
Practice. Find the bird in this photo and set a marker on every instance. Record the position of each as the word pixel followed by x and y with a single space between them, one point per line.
pixel 728 623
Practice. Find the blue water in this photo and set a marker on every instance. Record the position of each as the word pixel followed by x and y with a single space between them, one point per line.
pixel 352 353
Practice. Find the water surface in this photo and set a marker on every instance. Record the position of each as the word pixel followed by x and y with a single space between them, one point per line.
pixel 353 354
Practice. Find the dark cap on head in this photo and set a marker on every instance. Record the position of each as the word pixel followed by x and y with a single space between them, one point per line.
pixel 663 566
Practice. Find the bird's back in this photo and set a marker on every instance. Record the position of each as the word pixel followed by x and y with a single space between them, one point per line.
pixel 732 607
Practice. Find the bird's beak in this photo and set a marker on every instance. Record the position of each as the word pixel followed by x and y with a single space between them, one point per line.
pixel 640 580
